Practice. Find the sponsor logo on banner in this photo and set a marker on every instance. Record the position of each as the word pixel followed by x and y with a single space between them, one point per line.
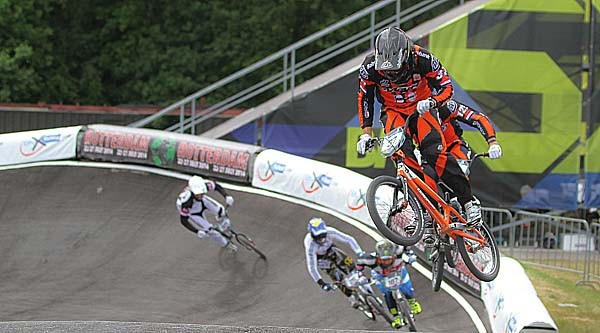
pixel 33 146
pixel 266 171
pixel 356 199
pixel 213 159
pixel 313 183
pixel 163 151
pixel 108 143
pixel 499 306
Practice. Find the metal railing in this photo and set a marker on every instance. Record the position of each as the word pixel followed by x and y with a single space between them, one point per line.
pixel 286 77
pixel 548 241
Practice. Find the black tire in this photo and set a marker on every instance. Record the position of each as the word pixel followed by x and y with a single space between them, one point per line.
pixel 484 271
pixel 405 225
pixel 451 252
pixel 407 314
pixel 248 243
pixel 381 309
pixel 437 268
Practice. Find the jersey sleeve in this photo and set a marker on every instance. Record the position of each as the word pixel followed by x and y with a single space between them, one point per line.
pixel 344 238
pixel 366 92
pixel 310 249
pixel 437 77
pixel 475 119
pixel 179 203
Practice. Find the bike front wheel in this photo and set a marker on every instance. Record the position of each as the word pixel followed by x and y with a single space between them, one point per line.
pixel 437 267
pixel 398 218
pixel 482 261
pixel 379 308
pixel 407 314
pixel 451 252
pixel 249 244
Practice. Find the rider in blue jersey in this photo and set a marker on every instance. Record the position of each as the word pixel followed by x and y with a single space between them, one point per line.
pixel 387 259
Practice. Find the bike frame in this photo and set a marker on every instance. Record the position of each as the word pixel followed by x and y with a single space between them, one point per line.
pixel 421 191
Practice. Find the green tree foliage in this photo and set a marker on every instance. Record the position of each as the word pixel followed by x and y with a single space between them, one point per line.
pixel 26 50
pixel 143 52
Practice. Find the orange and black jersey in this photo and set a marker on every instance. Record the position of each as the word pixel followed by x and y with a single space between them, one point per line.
pixel 427 78
pixel 453 112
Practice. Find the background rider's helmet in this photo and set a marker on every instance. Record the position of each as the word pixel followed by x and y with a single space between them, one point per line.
pixel 386 252
pixel 318 230
pixel 197 185
pixel 393 49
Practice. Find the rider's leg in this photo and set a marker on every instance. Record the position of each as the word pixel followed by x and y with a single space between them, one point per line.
pixel 390 301
pixel 202 224
pixel 433 147
pixel 409 292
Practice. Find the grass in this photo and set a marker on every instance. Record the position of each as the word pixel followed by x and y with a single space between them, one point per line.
pixel 556 288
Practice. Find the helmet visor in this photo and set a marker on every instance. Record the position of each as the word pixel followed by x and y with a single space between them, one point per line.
pixel 320 239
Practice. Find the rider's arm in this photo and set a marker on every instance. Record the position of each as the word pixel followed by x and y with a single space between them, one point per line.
pixel 339 236
pixel 477 120
pixel 366 94
pixel 437 77
pixel 311 259
pixel 214 207
pixel 214 186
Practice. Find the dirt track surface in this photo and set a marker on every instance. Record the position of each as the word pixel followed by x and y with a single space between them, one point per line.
pixel 87 244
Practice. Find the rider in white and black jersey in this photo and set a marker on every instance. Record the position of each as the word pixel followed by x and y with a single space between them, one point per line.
pixel 321 255
pixel 193 205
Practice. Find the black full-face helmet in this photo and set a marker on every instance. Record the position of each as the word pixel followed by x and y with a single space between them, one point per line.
pixel 393 50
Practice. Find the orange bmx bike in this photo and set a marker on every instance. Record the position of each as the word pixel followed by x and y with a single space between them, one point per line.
pixel 397 205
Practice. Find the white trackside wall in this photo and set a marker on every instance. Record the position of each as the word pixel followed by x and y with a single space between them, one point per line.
pixel 43 145
pixel 512 302
pixel 328 185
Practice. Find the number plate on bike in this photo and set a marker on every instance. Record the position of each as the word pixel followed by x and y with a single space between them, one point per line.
pixel 352 280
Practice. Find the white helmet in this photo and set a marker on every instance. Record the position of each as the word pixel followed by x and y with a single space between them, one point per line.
pixel 197 185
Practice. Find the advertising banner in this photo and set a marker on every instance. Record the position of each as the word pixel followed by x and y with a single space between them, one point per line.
pixel 512 302
pixel 331 186
pixel 42 145
pixel 188 153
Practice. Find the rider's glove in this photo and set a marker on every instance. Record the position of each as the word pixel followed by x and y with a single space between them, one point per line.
pixel 229 200
pixel 495 151
pixel 410 256
pixel 324 286
pixel 201 233
pixel 225 223
pixel 361 145
pixel 360 253
pixel 425 105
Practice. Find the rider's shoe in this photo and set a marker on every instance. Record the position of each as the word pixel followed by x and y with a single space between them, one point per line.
pixel 353 301
pixel 231 247
pixel 397 322
pixel 415 306
pixel 428 231
pixel 473 213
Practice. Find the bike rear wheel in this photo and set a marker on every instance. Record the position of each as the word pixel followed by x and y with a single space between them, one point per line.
pixel 407 314
pixel 249 244
pixel 483 262
pixel 397 218
pixel 437 267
